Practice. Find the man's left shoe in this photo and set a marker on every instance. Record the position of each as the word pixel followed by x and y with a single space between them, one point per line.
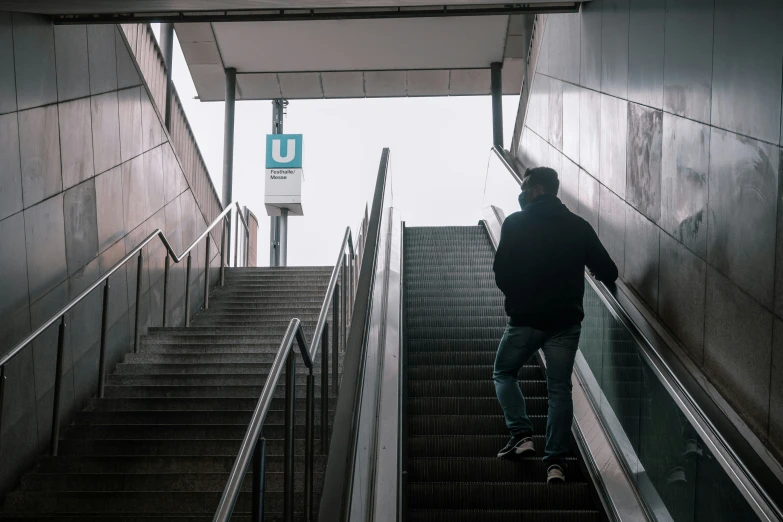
pixel 518 447
pixel 555 474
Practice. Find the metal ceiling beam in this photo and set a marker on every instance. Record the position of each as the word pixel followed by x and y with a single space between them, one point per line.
pixel 278 15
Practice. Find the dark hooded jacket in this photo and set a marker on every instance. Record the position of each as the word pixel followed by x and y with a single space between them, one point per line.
pixel 540 262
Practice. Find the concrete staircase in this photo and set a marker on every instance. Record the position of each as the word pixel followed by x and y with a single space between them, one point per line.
pixel 159 446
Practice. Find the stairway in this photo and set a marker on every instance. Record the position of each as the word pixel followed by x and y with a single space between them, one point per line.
pixel 454 320
pixel 159 446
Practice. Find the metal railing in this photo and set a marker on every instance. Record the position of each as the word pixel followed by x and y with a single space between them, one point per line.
pixel 340 299
pixel 104 280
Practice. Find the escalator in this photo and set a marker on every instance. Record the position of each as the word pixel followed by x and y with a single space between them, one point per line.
pixel 418 426
pixel 454 319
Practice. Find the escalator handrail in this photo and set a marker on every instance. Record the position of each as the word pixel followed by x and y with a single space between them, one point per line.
pixel 739 473
pixel 761 501
pixel 338 477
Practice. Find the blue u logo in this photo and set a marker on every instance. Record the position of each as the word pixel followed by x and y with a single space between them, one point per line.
pixel 284 151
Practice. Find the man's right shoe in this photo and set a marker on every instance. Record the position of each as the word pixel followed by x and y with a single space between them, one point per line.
pixel 555 474
pixel 518 447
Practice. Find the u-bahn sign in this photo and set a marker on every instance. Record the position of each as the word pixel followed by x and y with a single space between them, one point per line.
pixel 284 176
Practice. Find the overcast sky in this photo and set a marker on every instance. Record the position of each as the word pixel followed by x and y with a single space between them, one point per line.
pixel 439 151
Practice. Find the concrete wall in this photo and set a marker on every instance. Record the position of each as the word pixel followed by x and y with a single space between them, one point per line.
pixel 664 121
pixel 86 172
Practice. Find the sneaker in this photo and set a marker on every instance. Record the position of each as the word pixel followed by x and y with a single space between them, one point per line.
pixel 676 475
pixel 518 447
pixel 555 474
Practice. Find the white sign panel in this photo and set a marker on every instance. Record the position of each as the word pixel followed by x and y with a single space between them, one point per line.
pixel 284 175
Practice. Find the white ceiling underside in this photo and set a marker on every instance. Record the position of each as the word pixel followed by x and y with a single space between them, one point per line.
pixel 136 6
pixel 355 58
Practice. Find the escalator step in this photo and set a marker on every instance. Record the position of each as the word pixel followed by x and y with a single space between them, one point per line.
pixel 489 469
pixel 438 345
pixel 469 406
pixel 460 372
pixel 466 424
pixel 423 308
pixel 496 515
pixel 498 495
pixel 452 322
pixel 493 333
pixel 450 357
pixel 462 445
pixel 461 388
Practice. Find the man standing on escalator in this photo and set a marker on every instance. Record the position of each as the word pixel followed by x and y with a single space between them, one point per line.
pixel 539 267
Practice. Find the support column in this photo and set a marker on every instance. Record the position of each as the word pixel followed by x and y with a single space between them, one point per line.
pixel 275 258
pixel 167 46
pixel 497 104
pixel 273 241
pixel 228 153
pixel 283 238
pixel 228 136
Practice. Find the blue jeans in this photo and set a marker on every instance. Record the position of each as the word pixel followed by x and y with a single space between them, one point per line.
pixel 519 343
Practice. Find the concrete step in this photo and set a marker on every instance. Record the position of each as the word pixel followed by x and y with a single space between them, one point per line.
pixel 204 369
pixel 117 502
pixel 151 482
pixel 157 464
pixel 185 417
pixel 280 308
pixel 218 379
pixel 155 446
pixel 211 348
pixel 206 331
pixel 177 431
pixel 195 404
pixel 217 391
pixel 211 358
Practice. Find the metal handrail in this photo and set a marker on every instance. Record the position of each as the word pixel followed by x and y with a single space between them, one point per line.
pixel 739 473
pixel 104 280
pixel 253 447
pixel 508 162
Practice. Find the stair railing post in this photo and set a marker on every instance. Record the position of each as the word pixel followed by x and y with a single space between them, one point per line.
pixel 58 376
pixel 349 305
pixel 206 274
pixel 223 255
pixel 104 329
pixel 166 286
pixel 247 247
pixel 187 292
pixel 259 481
pixel 308 471
pixel 335 338
pixel 137 320
pixel 344 299
pixel 324 389
pixel 236 241
pixel 288 449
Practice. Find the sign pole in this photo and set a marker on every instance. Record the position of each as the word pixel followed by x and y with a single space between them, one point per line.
pixel 274 237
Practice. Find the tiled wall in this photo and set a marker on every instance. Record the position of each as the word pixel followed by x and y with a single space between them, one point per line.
pixel 86 172
pixel 664 122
